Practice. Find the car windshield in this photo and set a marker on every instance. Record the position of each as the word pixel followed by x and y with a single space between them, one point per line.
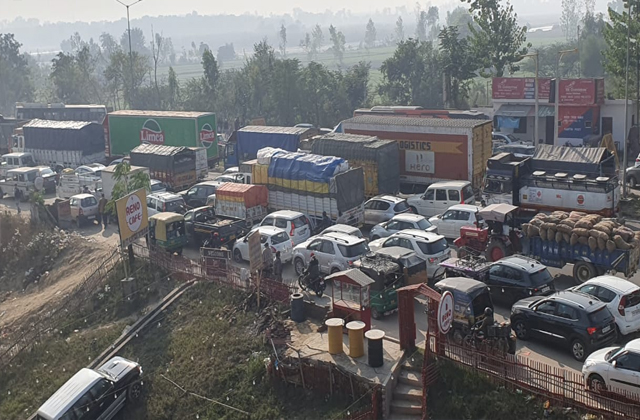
pixel 174 206
pixel 46 171
pixel 279 238
pixel 424 224
pixel 355 250
pixel 541 277
pixel 299 222
pixel 632 299
pixel 89 201
pixel 599 317
pixel 430 248
pixel 512 138
pixel 401 206
pixel 613 353
pixel 156 187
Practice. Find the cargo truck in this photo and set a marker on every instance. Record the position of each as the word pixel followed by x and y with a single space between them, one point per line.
pixel 245 142
pixel 554 178
pixel 130 128
pixel 312 184
pixel 61 144
pixel 377 158
pixel 431 149
pixel 173 166
pixel 243 201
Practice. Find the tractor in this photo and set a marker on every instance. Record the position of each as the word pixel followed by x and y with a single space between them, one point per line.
pixel 498 239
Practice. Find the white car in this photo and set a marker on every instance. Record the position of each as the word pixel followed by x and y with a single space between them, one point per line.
pixel 334 251
pixel 450 222
pixel 430 246
pixel 401 222
pixel 278 239
pixel 94 169
pixel 295 223
pixel 622 298
pixel 439 196
pixel 347 229
pixel 84 208
pixel 614 369
pixel 382 208
pixel 157 186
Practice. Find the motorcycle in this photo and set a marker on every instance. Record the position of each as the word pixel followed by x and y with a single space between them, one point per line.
pixel 498 339
pixel 317 285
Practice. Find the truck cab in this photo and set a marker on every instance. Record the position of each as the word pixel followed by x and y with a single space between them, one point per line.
pixel 501 180
pixel 15 160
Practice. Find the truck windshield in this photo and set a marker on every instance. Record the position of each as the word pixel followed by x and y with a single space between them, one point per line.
pixel 497 186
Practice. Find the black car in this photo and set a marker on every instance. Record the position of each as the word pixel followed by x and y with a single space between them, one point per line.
pixel 569 318
pixel 197 195
pixel 95 394
pixel 513 278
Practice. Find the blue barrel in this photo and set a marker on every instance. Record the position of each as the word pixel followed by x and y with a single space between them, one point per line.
pixel 297 307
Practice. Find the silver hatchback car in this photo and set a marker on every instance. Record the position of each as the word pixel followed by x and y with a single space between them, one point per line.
pixel 383 207
pixel 401 222
pixel 84 208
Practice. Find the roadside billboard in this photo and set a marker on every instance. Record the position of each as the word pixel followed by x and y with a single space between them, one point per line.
pixel 133 220
pixel 571 91
pixel 520 88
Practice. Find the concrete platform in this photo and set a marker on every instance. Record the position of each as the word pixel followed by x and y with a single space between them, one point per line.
pixel 315 346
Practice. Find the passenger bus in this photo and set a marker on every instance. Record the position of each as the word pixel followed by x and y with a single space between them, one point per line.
pixel 61 112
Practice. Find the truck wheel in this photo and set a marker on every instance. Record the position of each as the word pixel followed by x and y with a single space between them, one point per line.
pixel 135 391
pixel 583 271
pixel 496 250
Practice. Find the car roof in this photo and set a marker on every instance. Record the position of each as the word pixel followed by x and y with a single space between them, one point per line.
pixel 408 217
pixel 24 169
pixel 620 285
pixel 386 197
pixel 286 214
pixel 340 228
pixel 210 183
pixel 270 230
pixel 418 234
pixel 166 196
pixel 342 237
pixel 69 393
pixel 586 302
pixel 16 154
pixel 633 345
pixel 444 184
pixel 466 207
pixel 82 196
pixel 517 261
pixel 155 181
pixel 167 216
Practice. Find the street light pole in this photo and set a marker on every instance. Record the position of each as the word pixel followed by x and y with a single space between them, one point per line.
pixel 557 94
pixel 626 107
pixel 129 33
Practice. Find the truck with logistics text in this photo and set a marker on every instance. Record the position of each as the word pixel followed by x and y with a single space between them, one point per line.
pixel 61 144
pixel 554 178
pixel 128 129
pixel 377 158
pixel 173 166
pixel 245 142
pixel 311 184
pixel 431 149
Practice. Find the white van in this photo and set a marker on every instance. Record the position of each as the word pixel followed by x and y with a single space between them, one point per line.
pixel 440 196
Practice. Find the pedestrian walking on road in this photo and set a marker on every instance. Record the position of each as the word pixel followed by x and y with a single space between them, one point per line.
pixel 17 194
pixel 102 209
pixel 277 267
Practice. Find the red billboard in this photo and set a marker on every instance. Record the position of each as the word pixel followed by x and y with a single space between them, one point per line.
pixel 579 91
pixel 519 88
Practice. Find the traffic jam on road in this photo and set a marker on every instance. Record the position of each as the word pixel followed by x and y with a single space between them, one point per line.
pixel 485 229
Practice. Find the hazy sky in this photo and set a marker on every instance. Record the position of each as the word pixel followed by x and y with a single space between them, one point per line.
pixel 93 10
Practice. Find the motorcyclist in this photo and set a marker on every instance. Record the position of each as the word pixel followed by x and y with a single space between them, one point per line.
pixel 214 240
pixel 486 322
pixel 313 271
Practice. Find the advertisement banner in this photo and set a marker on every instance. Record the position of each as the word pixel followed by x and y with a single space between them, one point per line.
pixel 578 91
pixel 419 162
pixel 577 122
pixel 520 88
pixel 133 220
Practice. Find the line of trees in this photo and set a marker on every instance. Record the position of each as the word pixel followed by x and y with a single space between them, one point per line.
pixel 436 67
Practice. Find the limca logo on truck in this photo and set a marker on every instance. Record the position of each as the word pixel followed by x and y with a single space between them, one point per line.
pixel 207 136
pixel 151 133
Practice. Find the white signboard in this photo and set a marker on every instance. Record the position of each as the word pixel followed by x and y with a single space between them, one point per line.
pixel 422 162
pixel 445 312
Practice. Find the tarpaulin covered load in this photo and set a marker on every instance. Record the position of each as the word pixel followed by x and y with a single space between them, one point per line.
pixel 164 158
pixel 304 172
pixel 250 195
pixel 265 154
pixel 378 158
pixel 87 137
pixel 596 161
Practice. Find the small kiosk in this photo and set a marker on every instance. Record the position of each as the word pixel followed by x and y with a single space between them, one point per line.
pixel 350 296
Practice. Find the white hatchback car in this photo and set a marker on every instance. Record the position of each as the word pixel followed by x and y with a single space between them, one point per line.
pixel 430 246
pixel 450 222
pixel 278 239
pixel 347 229
pixel 622 298
pixel 334 251
pixel 614 369
pixel 84 208
pixel 296 224
pixel 401 222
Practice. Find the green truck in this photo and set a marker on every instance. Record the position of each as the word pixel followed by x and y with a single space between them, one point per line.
pixel 130 128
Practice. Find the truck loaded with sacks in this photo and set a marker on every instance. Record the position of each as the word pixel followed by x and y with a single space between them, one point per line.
pixel 593 244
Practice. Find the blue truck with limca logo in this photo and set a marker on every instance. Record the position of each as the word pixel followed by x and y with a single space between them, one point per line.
pixel 127 129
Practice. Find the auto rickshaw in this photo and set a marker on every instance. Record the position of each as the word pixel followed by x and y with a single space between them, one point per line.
pixel 166 231
pixel 390 269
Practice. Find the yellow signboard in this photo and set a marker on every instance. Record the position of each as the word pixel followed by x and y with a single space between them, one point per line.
pixel 132 216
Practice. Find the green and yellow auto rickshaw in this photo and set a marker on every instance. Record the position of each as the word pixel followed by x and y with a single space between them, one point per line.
pixel 166 231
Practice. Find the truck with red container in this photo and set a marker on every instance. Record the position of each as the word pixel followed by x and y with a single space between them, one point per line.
pixel 431 149
pixel 244 201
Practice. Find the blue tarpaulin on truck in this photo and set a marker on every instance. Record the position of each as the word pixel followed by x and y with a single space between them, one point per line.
pixel 305 167
pixel 250 139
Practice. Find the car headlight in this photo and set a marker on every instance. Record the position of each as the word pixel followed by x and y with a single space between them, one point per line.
pixel 588 364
